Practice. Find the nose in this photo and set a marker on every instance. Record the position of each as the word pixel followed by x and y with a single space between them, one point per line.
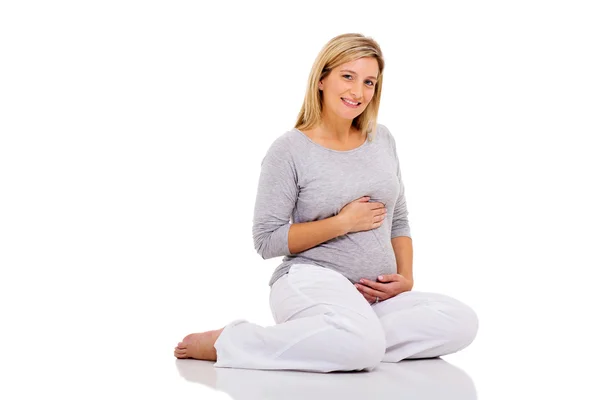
pixel 356 90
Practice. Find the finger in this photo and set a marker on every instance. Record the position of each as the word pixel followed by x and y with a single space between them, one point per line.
pixel 361 290
pixel 369 298
pixel 372 299
pixel 370 291
pixel 377 221
pixel 389 278
pixel 376 206
pixel 381 287
pixel 379 217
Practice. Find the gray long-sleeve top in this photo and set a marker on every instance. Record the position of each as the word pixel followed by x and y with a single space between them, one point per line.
pixel 304 181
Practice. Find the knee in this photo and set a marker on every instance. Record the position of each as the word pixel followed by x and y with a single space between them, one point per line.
pixel 363 343
pixel 368 350
pixel 465 325
pixel 374 347
pixel 471 326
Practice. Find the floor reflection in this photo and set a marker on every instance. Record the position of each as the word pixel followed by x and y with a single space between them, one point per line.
pixel 410 379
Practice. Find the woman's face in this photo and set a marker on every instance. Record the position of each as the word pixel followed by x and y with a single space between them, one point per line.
pixel 354 81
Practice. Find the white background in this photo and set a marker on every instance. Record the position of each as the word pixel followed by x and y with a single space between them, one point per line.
pixel 131 137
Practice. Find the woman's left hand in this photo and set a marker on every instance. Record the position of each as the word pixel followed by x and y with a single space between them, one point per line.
pixel 387 287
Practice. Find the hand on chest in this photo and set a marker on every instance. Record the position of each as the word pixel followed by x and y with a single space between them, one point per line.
pixel 326 187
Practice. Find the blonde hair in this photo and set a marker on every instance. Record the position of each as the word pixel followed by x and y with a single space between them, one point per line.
pixel 340 50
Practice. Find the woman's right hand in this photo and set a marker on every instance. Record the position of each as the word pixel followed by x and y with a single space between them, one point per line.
pixel 362 215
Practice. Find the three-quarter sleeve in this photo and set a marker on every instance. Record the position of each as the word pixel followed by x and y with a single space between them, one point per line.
pixel 400 224
pixel 275 201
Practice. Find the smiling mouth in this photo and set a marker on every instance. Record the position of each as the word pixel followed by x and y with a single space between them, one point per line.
pixel 349 103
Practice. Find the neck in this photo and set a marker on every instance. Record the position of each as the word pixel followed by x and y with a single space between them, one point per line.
pixel 334 127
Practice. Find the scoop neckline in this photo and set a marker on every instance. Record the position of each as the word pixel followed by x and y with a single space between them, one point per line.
pixel 332 150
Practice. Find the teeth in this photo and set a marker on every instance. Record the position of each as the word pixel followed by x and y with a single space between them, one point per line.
pixel 349 102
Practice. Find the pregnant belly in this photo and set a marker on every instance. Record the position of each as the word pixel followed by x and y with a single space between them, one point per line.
pixel 356 255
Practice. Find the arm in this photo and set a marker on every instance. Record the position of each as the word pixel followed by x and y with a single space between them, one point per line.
pixel 305 235
pixel 400 224
pixel 403 249
pixel 401 236
pixel 276 198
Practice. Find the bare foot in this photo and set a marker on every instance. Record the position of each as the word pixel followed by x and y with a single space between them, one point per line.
pixel 199 346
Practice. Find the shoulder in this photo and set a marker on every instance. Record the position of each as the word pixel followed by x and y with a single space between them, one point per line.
pixel 281 148
pixel 383 130
pixel 387 139
pixel 385 134
pixel 283 144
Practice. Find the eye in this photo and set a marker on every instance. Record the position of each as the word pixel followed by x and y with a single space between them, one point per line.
pixel 370 82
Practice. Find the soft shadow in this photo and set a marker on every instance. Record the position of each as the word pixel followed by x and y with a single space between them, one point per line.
pixel 432 378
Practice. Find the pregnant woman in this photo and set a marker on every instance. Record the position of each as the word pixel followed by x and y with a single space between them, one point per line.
pixel 342 297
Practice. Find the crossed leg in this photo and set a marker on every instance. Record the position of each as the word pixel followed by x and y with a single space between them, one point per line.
pixel 425 325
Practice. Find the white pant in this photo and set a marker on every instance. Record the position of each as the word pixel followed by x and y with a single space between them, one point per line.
pixel 324 324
